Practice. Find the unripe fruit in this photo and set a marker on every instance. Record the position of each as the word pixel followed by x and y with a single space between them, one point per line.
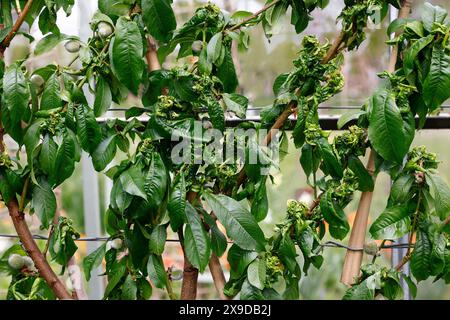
pixel 28 262
pixel 116 243
pixel 38 81
pixel 197 46
pixel 16 261
pixel 72 46
pixel 104 29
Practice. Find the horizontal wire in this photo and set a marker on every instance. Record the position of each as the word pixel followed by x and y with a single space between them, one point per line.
pixel 262 108
pixel 328 244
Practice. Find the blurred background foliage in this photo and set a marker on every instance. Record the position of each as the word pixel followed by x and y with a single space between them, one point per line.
pixel 258 67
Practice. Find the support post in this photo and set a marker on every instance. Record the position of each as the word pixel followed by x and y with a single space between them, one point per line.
pixel 91 205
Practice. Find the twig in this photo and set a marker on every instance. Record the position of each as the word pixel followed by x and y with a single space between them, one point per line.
pixel 256 14
pixel 332 52
pixel 6 42
pixel 18 8
pixel 24 194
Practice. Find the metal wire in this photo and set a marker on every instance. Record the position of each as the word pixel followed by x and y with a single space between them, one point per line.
pixel 328 244
pixel 261 108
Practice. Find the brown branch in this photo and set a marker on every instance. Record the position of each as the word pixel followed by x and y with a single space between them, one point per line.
pixel 17 217
pixel 33 251
pixel 218 277
pixel 353 259
pixel 446 221
pixel 6 42
pixel 152 55
pixel 334 50
pixel 190 275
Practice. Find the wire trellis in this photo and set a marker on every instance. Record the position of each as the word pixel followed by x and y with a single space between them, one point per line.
pixel 328 244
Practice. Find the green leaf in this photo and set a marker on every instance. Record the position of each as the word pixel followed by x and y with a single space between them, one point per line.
pixel 49 42
pixel 256 273
pixel 299 16
pixel 93 260
pixel 120 200
pixel 365 180
pixel 216 115
pixel 349 116
pixel 360 292
pixel 226 72
pixel 393 223
pixel 157 240
pixel 397 24
pixel 156 271
pixel 133 182
pixel 204 65
pixel 413 51
pixel 144 289
pixel 159 18
pixel 386 127
pixel 31 139
pixel 127 51
pixel 47 156
pixel 416 27
pixel 15 92
pixel 116 274
pixel 197 244
pixel 129 289
pixel 68 152
pixel 114 8
pixel 432 14
pixel 239 259
pixel 249 292
pixel 331 163
pixel 421 257
pixel 241 226
pixel 335 217
pixel 103 97
pixel 260 203
pixel 155 185
pixel 44 202
pixel 411 285
pixel 437 259
pixel 214 47
pixel 104 153
pixel 441 192
pixel 177 202
pixel 219 242
pixel 400 191
pixel 88 130
pixel 437 83
pixel 51 96
pixel 236 103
